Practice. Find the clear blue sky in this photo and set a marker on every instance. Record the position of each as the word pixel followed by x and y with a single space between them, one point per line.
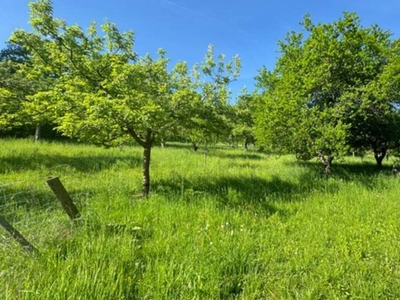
pixel 185 28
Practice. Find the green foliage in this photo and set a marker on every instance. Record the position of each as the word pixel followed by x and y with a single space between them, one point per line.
pixel 86 67
pixel 14 87
pixel 15 53
pixel 321 98
pixel 206 86
pixel 243 119
pixel 104 93
pixel 19 83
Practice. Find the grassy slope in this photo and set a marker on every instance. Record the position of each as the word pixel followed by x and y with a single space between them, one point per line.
pixel 228 225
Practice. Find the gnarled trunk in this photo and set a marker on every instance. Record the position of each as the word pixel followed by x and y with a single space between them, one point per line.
pixel 327 162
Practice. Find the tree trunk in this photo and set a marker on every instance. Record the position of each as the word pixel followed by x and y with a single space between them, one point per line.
pixel 146 163
pixel 379 156
pixel 195 147
pixel 162 143
pixel 327 162
pixel 37 133
pixel 146 144
pixel 328 165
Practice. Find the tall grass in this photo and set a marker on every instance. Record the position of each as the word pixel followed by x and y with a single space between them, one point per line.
pixel 219 224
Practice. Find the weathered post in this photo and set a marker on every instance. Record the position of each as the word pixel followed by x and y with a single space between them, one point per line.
pixel 17 236
pixel 63 196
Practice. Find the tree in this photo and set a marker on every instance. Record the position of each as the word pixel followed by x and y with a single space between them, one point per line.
pixel 243 119
pixel 15 53
pixel 377 125
pixel 209 113
pixel 14 87
pixel 105 93
pixel 19 82
pixel 320 86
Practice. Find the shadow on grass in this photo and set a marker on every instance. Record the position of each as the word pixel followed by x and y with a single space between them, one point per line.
pixel 220 151
pixel 262 194
pixel 86 164
pixel 252 193
pixel 233 156
pixel 364 173
pixel 201 147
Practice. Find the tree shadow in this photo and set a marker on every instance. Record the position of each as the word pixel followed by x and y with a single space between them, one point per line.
pixel 249 193
pixel 233 156
pixel 86 164
pixel 201 147
pixel 364 173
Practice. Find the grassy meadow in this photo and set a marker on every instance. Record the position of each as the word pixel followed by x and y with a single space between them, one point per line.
pixel 227 224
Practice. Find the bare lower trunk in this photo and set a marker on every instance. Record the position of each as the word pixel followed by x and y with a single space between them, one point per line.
pixel 146 143
pixel 379 156
pixel 327 162
pixel 246 145
pixel 146 171
pixel 247 141
pixel 146 164
pixel 37 133
pixel 328 165
pixel 194 145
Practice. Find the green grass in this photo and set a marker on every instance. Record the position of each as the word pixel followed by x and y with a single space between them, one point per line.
pixel 221 225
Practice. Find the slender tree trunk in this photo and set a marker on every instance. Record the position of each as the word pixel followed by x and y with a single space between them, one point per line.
pixel 246 144
pixel 379 156
pixel 195 147
pixel 37 133
pixel 146 144
pixel 146 163
pixel 162 143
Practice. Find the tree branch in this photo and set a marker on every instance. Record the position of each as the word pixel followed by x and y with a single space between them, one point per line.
pixel 131 131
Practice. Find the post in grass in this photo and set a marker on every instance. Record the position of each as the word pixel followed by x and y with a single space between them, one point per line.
pixel 63 196
pixel 17 236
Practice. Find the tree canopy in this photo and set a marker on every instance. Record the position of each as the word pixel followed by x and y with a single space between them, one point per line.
pixel 15 88
pixel 334 89
pixel 105 93
pixel 321 96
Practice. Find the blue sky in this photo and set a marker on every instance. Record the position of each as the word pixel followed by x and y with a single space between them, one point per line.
pixel 184 28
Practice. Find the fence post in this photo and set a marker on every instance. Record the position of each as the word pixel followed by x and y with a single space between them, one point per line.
pixel 63 196
pixel 17 236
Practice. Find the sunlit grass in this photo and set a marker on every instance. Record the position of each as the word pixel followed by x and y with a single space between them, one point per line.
pixel 219 224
